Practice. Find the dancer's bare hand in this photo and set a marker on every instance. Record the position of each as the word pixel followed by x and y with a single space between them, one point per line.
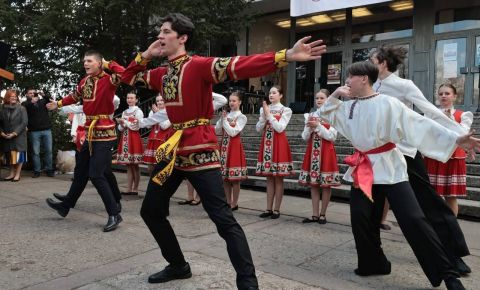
pixel 52 106
pixel 266 109
pixel 469 143
pixel 343 91
pixel 154 50
pixel 303 51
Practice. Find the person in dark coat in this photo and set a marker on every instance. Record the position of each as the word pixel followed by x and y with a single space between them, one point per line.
pixel 13 134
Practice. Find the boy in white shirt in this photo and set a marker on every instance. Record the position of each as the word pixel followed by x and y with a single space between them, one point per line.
pixel 374 123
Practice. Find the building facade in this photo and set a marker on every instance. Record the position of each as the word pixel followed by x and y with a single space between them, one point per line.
pixel 442 39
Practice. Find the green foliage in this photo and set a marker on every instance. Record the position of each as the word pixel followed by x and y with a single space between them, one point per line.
pixel 49 37
pixel 60 134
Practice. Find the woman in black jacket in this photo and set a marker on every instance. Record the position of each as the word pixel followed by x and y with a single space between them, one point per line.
pixel 13 134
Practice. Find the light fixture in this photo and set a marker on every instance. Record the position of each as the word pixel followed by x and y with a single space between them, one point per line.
pixel 361 12
pixel 322 18
pixel 338 16
pixel 401 5
pixel 305 22
pixel 283 23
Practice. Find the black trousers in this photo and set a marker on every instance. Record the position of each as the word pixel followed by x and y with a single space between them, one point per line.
pixel 441 217
pixel 209 185
pixel 98 169
pixel 366 216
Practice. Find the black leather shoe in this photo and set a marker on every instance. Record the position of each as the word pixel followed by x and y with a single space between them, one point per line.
pixel 60 197
pixel 385 270
pixel 462 268
pixel 112 223
pixel 171 273
pixel 36 174
pixel 51 173
pixel 453 283
pixel 61 209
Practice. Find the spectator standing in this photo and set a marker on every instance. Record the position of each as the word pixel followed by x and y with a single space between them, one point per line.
pixel 13 134
pixel 39 131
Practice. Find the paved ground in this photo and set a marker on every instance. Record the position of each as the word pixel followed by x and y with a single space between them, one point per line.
pixel 40 250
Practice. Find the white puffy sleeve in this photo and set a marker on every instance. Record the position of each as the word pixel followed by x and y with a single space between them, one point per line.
pixel 138 117
pixel 218 126
pixel 429 137
pixel 327 111
pixel 281 124
pixel 466 120
pixel 416 97
pixel 239 125
pixel 307 132
pixel 156 118
pixel 75 109
pixel 261 121
pixel 218 101
pixel 329 134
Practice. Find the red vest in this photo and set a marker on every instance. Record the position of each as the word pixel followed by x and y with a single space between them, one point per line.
pixel 459 152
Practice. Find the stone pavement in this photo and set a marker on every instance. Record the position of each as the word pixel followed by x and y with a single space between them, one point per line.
pixel 41 250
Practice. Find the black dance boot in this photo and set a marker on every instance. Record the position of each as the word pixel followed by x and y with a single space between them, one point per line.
pixel 385 270
pixel 112 223
pixel 171 273
pixel 59 196
pixel 453 283
pixel 462 268
pixel 60 207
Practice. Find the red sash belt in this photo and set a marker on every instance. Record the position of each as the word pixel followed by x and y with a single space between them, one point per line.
pixel 363 173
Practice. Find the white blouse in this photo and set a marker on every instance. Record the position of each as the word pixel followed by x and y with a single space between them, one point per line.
pixel 159 117
pixel 218 101
pixel 466 119
pixel 130 125
pixel 407 92
pixel 224 123
pixel 327 134
pixel 383 119
pixel 278 125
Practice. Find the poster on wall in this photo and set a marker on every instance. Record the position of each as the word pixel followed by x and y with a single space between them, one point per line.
pixel 450 69
pixel 450 52
pixel 450 64
pixel 477 55
pixel 334 73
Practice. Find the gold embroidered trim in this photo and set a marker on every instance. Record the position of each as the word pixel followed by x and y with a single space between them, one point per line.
pixel 139 59
pixel 190 124
pixel 281 58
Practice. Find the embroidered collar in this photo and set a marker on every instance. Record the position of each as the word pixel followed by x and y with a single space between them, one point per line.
pixel 350 115
pixel 178 60
pixel 98 76
pixel 367 97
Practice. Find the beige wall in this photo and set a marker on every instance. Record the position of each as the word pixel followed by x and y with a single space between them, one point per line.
pixel 266 36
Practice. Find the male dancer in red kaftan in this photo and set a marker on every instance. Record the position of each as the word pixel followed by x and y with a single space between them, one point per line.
pixel 96 90
pixel 192 151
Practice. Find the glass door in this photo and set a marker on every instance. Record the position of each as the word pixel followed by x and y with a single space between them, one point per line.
pixel 330 70
pixel 451 67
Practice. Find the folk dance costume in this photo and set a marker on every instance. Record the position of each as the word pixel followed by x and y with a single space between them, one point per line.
pixel 160 132
pixel 319 168
pixel 377 169
pixel 450 178
pixel 95 156
pixel 192 151
pixel 232 156
pixel 274 157
pixel 130 146
pixel 78 134
pixel 436 210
